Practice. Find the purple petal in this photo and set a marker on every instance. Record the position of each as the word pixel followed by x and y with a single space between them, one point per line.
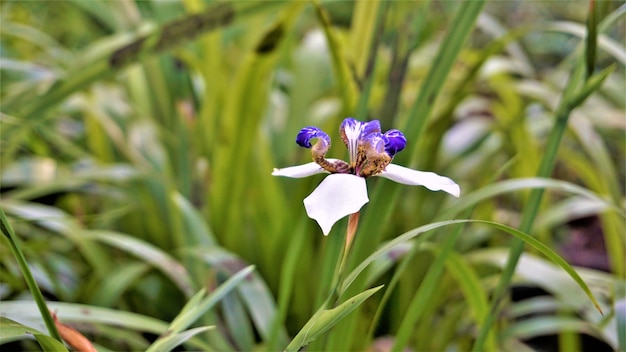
pixel 394 142
pixel 350 131
pixel 349 126
pixel 377 142
pixel 306 134
pixel 368 128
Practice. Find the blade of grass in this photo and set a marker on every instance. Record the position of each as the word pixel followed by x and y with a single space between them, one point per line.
pixel 198 305
pixel 362 32
pixel 346 84
pixel 532 206
pixel 261 308
pixel 416 307
pixel 376 25
pixel 287 284
pixel 464 20
pixel 591 39
pixel 503 187
pixel 13 331
pixel 16 249
pixel 236 321
pixel 546 325
pixel 82 313
pixel 466 212
pixel 175 340
pixel 620 313
pixel 112 287
pixel 239 129
pixel 470 286
pixel 324 319
pixel 159 39
pixel 148 253
pixel 350 278
pixel 424 294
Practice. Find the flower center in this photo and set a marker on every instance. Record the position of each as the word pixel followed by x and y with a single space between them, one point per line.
pixel 370 151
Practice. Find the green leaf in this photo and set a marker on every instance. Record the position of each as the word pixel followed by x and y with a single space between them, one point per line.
pixel 112 287
pixel 591 39
pixel 549 253
pixel 149 253
pixel 33 287
pixel 82 313
pixel 173 340
pixel 261 306
pixel 463 22
pixel 470 285
pixel 345 82
pixel 387 247
pixel 545 250
pixel 58 221
pixel 47 343
pixel 253 292
pixel 288 284
pixel 323 320
pixel 620 313
pixel 195 225
pixel 546 325
pixel 198 305
pixel 191 312
pixel 11 330
pixel 591 85
pixel 519 184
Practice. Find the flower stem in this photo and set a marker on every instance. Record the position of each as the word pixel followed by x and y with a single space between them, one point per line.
pixel 353 223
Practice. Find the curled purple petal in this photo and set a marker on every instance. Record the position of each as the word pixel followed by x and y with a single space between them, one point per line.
pixel 394 142
pixel 306 134
pixel 369 127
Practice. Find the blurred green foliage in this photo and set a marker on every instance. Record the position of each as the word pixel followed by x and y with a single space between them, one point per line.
pixel 138 139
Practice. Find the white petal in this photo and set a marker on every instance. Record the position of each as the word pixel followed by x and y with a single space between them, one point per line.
pixel 300 171
pixel 430 180
pixel 337 196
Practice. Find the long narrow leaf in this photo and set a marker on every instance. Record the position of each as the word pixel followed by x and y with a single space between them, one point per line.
pixel 196 307
pixel 323 320
pixel 174 340
pixel 192 312
pixel 149 253
pixel 12 331
pixel 16 248
pixel 545 250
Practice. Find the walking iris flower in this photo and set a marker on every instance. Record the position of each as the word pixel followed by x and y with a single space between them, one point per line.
pixel 344 192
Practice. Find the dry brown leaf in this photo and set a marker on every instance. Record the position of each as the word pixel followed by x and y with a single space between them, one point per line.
pixel 73 337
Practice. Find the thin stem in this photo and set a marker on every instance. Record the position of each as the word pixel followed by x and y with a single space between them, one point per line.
pixel 14 243
pixel 333 297
pixel 353 224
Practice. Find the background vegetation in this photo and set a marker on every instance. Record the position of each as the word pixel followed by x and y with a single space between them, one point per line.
pixel 138 138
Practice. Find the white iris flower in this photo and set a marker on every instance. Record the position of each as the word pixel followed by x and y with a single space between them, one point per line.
pixel 344 192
